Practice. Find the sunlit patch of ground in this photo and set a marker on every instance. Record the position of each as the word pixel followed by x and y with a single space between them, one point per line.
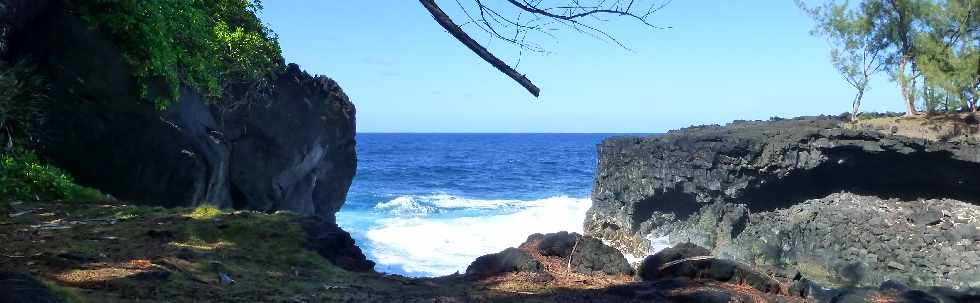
pixel 934 127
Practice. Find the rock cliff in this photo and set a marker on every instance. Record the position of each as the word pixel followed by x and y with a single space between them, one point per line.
pixel 291 148
pixel 842 206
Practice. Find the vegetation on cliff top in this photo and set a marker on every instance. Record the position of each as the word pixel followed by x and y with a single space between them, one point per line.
pixel 205 44
pixel 937 42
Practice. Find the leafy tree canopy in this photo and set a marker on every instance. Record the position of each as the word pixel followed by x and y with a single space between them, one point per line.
pixel 205 44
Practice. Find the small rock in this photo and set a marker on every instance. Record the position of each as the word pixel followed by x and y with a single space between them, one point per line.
pixel 225 278
pixel 895 265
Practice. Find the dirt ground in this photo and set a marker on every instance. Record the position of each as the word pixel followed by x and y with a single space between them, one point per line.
pixel 112 252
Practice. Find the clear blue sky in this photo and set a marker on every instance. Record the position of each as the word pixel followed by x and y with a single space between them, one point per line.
pixel 723 60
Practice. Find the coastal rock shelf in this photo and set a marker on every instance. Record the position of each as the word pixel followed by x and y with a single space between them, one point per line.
pixel 838 205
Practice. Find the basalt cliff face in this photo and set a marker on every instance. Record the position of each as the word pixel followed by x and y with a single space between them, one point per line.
pixel 840 206
pixel 289 147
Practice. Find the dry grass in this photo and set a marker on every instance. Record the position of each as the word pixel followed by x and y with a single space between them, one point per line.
pixel 936 127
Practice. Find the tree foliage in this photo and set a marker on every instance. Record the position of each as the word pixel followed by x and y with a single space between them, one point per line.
pixel 856 52
pixel 201 43
pixel 935 41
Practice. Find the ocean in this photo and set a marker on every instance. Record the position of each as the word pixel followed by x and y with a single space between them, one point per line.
pixel 429 204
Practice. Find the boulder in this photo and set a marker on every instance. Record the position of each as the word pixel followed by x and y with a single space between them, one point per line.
pixel 694 262
pixel 508 260
pixel 586 255
pixel 591 256
pixel 650 268
pixel 335 245
pixel 558 244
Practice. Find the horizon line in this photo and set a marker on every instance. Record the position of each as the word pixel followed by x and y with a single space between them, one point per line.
pixel 509 132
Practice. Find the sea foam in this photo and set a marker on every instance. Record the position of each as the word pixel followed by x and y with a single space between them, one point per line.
pixel 428 245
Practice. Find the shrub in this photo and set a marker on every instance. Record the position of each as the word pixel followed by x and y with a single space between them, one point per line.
pixel 201 43
pixel 24 177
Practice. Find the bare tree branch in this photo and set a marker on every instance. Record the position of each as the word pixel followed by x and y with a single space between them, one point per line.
pixel 532 17
pixel 481 51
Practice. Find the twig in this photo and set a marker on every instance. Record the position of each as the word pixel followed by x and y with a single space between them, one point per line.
pixel 569 267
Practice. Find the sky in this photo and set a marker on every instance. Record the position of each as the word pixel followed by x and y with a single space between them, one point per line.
pixel 721 60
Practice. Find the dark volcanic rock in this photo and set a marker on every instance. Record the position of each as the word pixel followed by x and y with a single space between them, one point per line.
pixel 19 287
pixel 295 149
pixel 98 129
pixel 558 244
pixel 335 244
pixel 691 261
pixel 508 260
pixel 649 269
pixel 586 255
pixel 591 256
pixel 797 194
pixel 288 148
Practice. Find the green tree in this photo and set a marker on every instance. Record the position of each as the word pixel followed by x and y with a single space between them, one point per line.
pixel 935 41
pixel 205 44
pixel 856 51
pixel 899 22
pixel 949 55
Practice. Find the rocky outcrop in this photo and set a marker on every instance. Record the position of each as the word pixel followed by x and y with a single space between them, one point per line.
pixel 769 194
pixel 334 244
pixel 290 148
pixel 294 149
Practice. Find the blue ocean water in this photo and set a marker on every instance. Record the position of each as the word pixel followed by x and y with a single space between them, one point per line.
pixel 428 204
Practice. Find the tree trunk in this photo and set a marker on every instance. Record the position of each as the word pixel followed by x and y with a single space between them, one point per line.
pixel 856 105
pixel 474 46
pixel 906 91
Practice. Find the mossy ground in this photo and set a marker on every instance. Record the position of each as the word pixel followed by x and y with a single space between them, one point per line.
pixel 113 253
pixel 110 252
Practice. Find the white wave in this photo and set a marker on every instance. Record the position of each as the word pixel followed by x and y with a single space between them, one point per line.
pixel 419 205
pixel 441 246
pixel 405 205
pixel 658 243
